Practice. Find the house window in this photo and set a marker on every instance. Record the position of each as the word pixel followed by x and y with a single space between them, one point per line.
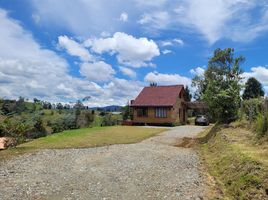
pixel 161 112
pixel 142 112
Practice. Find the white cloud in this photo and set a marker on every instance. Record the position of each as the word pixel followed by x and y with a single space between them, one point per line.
pixel 30 71
pixel 178 41
pixel 74 48
pixel 237 20
pixel 167 79
pixel 166 51
pixel 97 71
pixel 155 20
pixel 166 43
pixel 123 17
pixel 174 42
pixel 260 73
pixel 198 71
pixel 129 72
pixel 131 51
pixel 80 17
pixel 223 19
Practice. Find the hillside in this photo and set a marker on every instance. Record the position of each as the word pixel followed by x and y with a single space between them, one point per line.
pixel 28 120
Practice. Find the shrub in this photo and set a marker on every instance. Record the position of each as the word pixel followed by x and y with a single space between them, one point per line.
pixel 69 121
pixel 252 108
pixel 109 120
pixel 57 125
pixel 84 119
pixel 261 124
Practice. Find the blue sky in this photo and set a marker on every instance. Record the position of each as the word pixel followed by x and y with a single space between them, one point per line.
pixel 62 51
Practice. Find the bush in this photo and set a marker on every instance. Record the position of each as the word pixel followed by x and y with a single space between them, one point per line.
pixel 109 120
pixel 261 124
pixel 69 121
pixel 252 108
pixel 84 118
pixel 57 125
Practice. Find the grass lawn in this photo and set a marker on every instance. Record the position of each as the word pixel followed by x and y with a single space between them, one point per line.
pixel 87 137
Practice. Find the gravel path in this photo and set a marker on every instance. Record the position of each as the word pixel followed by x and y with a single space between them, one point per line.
pixel 152 169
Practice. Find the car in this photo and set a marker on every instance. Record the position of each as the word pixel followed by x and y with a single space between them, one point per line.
pixel 201 120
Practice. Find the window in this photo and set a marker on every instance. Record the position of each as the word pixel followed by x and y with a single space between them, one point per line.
pixel 142 112
pixel 161 112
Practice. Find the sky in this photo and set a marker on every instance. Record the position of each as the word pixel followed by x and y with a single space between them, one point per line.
pixel 63 51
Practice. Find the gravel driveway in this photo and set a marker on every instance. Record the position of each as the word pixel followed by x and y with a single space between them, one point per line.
pixel 152 169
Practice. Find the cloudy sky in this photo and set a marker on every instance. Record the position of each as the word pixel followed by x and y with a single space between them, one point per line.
pixel 62 51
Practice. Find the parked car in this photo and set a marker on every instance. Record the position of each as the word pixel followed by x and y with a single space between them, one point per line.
pixel 201 120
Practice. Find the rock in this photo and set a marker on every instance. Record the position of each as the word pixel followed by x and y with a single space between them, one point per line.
pixel 6 142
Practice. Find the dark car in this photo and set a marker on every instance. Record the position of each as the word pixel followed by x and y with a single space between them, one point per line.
pixel 201 120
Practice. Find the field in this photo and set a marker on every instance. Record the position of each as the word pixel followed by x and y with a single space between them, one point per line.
pixel 83 138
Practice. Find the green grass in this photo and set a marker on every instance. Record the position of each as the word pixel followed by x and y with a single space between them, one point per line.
pixel 87 137
pixel 239 174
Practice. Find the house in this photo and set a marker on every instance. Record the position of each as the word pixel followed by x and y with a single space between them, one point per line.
pixel 160 105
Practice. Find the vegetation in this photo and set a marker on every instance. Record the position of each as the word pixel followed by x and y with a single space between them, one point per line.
pixel 87 137
pixel 25 120
pixel 253 89
pixel 220 86
pixel 188 95
pixel 237 161
pixel 127 113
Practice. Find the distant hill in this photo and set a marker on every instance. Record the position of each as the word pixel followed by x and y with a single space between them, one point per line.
pixel 112 108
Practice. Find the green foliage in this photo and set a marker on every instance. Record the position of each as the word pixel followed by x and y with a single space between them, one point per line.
pixel 252 108
pixel 253 89
pixel 84 119
pixel 109 120
pixel 187 94
pixel 47 105
pixel 14 127
pixel 20 105
pixel 59 106
pixel 238 173
pixel 26 120
pixel 127 112
pixel 56 125
pixel 220 87
pixel 261 125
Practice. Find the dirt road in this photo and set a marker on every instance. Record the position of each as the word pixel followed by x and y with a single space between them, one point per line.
pixel 152 169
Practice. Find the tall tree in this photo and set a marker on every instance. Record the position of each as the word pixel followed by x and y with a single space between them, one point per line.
pixel 188 95
pixel 253 89
pixel 220 87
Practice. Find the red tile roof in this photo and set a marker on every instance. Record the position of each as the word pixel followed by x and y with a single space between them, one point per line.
pixel 158 96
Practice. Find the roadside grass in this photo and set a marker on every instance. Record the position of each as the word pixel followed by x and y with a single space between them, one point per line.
pixel 83 138
pixel 238 162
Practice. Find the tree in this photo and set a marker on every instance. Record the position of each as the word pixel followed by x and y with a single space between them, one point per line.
pixel 188 95
pixel 220 87
pixel 46 105
pixel 36 100
pixel 20 105
pixel 253 89
pixel 153 84
pixel 59 106
pixel 78 107
pixel 127 112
